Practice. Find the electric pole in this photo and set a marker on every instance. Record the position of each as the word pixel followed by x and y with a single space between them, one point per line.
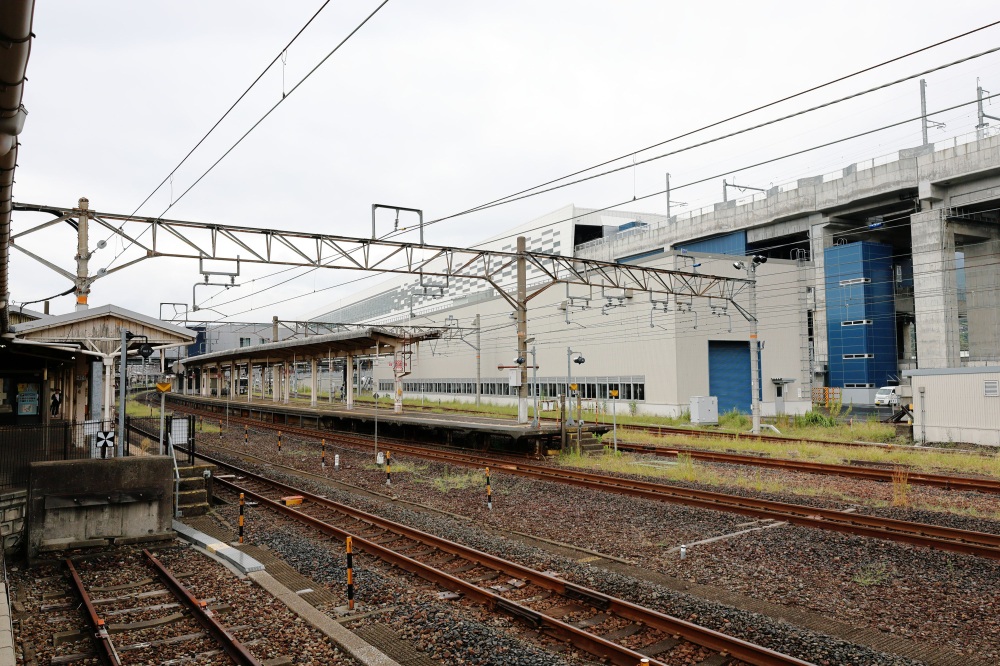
pixel 522 330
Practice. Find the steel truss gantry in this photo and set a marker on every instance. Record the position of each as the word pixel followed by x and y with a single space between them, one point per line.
pixel 151 237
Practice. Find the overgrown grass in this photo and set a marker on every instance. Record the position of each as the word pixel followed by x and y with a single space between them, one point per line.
pixel 459 480
pixel 871 575
pixel 957 462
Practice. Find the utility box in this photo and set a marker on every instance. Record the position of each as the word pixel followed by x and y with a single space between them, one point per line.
pixel 705 409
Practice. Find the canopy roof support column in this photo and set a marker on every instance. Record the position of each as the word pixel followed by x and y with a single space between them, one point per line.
pixel 313 381
pixel 349 380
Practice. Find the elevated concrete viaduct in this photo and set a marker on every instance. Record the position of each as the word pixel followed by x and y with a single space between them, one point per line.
pixel 926 203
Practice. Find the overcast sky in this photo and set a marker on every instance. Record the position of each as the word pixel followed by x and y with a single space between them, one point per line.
pixel 443 106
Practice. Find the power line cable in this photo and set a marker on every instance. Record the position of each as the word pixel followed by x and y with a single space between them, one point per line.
pixel 717 123
pixel 735 117
pixel 284 97
pixel 234 105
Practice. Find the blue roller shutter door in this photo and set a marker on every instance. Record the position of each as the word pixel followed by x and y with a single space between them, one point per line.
pixel 729 374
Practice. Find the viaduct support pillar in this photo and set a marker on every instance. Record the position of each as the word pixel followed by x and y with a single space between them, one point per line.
pixel 982 295
pixel 935 290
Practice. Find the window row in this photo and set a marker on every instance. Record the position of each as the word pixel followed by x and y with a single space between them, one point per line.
pixel 600 390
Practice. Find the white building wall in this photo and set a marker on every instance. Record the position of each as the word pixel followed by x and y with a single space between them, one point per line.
pixel 952 405
pixel 670 357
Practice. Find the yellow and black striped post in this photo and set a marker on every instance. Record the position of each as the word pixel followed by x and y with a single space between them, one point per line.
pixel 644 662
pixel 279 441
pixel 489 491
pixel 246 435
pixel 242 502
pixel 350 575
pixel 388 468
pixel 322 457
pixel 220 430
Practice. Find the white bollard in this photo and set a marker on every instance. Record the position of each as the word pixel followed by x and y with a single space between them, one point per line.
pixel 336 462
pixel 684 551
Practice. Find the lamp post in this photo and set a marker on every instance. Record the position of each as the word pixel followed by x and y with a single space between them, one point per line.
pixel 534 381
pixel 751 269
pixel 375 396
pixel 579 360
pixel 145 351
pixel 614 417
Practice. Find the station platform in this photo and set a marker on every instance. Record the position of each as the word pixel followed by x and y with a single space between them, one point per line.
pixel 480 433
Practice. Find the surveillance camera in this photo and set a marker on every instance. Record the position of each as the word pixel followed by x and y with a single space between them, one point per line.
pixel 738 265
pixel 580 360
pixel 519 360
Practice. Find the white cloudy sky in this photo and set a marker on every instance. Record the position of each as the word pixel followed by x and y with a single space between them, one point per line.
pixel 443 105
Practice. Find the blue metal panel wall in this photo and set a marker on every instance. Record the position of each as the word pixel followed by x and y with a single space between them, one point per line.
pixel 869 298
pixel 733 243
pixel 729 374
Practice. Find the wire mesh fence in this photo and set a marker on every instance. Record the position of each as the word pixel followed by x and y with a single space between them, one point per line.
pixel 22 445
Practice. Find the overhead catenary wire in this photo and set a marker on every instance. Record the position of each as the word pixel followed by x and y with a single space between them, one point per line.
pixel 264 117
pixel 225 115
pixel 511 197
pixel 660 192
pixel 723 121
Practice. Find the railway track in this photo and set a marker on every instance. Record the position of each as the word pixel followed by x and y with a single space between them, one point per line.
pixel 982 485
pixel 981 544
pixel 607 627
pixel 946 481
pixel 135 610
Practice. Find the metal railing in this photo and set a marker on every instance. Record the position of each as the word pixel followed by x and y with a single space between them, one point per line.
pixel 63 440
pixel 22 445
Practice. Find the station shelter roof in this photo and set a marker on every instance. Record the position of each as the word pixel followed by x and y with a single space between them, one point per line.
pixel 97 331
pixel 360 341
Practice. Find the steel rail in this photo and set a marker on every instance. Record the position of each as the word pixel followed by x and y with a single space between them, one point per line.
pixel 230 644
pixel 945 481
pixel 920 534
pixel 596 645
pixel 107 653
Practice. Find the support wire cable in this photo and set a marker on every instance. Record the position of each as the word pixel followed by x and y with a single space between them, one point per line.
pixel 257 124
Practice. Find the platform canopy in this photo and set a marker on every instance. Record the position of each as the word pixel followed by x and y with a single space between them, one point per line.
pixel 360 341
pixel 97 331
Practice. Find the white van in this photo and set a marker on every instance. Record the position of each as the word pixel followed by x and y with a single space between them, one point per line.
pixel 887 396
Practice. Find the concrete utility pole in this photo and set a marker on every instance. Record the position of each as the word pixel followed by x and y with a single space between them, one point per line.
pixel 981 127
pixel 82 255
pixel 923 109
pixel 754 350
pixel 668 197
pixel 479 361
pixel 522 329
pixel 751 269
pixel 274 328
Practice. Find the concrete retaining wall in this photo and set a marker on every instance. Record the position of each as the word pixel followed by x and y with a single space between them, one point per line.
pixel 92 502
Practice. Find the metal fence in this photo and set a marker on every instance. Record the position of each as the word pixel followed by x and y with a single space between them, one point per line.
pixel 22 445
pixel 142 435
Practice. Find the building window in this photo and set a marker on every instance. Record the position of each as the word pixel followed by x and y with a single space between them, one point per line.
pixel 991 388
pixel 850 356
pixel 846 283
pixel 244 342
pixel 857 322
